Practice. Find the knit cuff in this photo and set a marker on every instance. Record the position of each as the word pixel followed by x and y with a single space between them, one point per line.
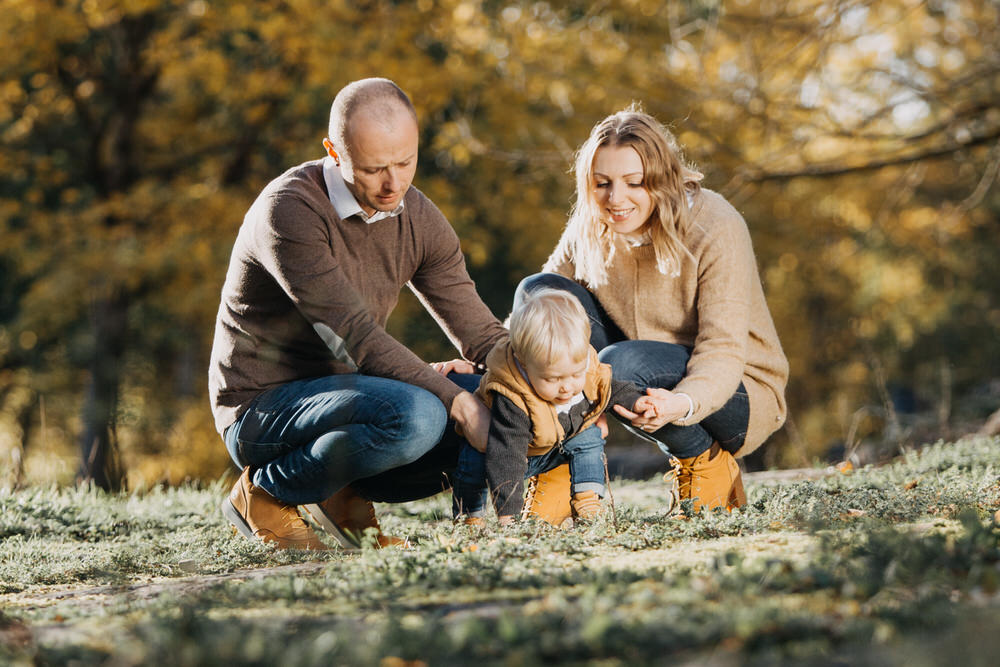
pixel 690 407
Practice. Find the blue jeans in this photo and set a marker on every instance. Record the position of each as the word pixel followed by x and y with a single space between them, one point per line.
pixel 649 363
pixel 306 440
pixel 583 452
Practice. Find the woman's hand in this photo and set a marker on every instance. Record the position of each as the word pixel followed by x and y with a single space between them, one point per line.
pixel 655 410
pixel 456 365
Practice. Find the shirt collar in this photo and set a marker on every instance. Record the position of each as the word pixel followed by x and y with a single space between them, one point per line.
pixel 343 201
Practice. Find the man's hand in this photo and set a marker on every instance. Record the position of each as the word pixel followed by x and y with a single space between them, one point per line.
pixel 474 417
pixel 456 365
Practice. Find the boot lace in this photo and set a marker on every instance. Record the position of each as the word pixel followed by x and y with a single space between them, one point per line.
pixel 529 497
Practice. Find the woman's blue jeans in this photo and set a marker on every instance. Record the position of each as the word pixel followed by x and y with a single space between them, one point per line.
pixel 584 453
pixel 649 363
pixel 306 440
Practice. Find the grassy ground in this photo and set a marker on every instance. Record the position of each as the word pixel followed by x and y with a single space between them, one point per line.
pixel 897 565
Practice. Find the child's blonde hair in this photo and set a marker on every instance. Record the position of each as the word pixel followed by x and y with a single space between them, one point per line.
pixel 548 325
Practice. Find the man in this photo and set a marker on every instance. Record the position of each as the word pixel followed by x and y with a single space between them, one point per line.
pixel 316 403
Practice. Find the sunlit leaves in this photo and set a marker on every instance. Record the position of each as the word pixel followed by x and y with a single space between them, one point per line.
pixel 885 254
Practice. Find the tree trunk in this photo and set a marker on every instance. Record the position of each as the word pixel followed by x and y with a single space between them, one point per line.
pixel 99 457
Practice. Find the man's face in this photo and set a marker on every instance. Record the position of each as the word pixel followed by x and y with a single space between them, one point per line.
pixel 380 160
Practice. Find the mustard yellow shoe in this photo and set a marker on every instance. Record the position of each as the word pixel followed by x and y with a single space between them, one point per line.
pixel 548 497
pixel 586 505
pixel 472 521
pixel 711 479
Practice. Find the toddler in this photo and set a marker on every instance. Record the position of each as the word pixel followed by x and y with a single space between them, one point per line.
pixel 546 391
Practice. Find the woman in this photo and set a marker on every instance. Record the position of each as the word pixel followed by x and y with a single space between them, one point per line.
pixel 667 274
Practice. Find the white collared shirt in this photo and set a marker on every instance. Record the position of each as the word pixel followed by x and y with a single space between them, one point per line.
pixel 343 201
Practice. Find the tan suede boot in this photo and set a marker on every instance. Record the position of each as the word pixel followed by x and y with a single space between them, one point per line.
pixel 258 515
pixel 711 479
pixel 346 515
pixel 548 497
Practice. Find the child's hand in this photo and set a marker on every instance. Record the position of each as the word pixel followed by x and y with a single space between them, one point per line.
pixel 656 409
pixel 602 425
pixel 506 520
pixel 650 406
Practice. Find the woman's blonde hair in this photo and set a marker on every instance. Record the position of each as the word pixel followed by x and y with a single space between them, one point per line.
pixel 667 178
pixel 548 325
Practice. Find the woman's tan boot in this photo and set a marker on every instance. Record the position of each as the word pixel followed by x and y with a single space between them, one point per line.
pixel 712 479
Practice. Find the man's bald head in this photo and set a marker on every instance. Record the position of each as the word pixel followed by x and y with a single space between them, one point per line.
pixel 380 100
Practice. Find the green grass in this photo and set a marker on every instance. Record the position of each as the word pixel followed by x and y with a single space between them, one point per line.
pixel 896 565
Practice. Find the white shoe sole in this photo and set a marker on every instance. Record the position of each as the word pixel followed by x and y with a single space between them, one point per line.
pixel 235 518
pixel 343 537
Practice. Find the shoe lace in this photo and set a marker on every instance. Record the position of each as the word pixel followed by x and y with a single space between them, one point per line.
pixel 290 517
pixel 587 505
pixel 685 482
pixel 529 497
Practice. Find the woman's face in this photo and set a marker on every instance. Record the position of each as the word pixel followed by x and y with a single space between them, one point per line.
pixel 619 189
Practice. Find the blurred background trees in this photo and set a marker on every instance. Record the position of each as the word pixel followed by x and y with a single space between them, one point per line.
pixel 860 140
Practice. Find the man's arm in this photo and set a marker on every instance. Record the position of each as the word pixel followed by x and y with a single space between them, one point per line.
pixel 443 285
pixel 294 247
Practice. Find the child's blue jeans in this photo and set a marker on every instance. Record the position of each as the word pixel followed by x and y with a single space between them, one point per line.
pixel 584 453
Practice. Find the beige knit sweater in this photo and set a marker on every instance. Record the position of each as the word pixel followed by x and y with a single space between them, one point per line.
pixel 716 306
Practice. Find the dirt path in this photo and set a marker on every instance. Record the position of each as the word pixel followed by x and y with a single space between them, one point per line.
pixel 103 595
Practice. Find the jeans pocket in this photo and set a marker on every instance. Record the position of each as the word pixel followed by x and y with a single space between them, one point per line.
pixel 255 443
pixel 259 453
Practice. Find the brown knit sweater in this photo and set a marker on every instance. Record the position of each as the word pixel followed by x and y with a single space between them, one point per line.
pixel 716 306
pixel 308 294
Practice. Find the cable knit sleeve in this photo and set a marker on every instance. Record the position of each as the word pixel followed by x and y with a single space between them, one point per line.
pixel 507 455
pixel 625 394
pixel 726 275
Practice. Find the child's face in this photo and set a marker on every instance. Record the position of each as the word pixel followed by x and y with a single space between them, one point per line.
pixel 559 381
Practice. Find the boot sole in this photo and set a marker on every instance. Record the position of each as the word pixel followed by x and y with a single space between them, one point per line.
pixel 235 518
pixel 344 538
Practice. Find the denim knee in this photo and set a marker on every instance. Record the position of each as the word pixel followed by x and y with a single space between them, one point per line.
pixel 422 422
pixel 603 331
pixel 540 280
pixel 647 363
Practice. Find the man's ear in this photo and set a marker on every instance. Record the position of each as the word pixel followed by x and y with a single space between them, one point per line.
pixel 328 145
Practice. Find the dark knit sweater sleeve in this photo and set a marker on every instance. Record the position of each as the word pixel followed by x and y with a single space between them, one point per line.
pixel 507 455
pixel 624 394
pixel 443 285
